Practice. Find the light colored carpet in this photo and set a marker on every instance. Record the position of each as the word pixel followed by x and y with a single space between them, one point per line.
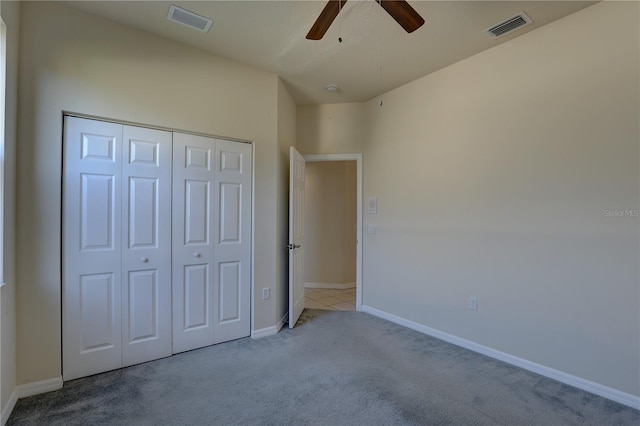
pixel 335 368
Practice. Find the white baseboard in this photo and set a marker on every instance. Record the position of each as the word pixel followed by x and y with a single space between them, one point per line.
pixel 577 382
pixel 270 331
pixel 264 332
pixel 29 389
pixel 334 286
pixel 8 409
pixel 36 388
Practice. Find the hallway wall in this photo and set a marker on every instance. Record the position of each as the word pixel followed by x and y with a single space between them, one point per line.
pixel 330 222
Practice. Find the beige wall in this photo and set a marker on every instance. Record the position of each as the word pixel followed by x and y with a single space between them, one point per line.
pixel 71 61
pixel 286 139
pixel 10 12
pixel 330 222
pixel 493 178
pixel 330 129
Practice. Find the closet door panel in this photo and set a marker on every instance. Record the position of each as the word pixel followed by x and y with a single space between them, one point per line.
pixel 146 244
pixel 193 248
pixel 91 287
pixel 196 296
pixel 232 236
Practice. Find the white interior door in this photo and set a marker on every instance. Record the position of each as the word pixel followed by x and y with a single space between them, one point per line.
pixel 296 236
pixel 146 244
pixel 92 250
pixel 232 236
pixel 193 241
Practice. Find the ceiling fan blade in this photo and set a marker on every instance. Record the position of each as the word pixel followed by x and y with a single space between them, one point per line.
pixel 403 13
pixel 325 19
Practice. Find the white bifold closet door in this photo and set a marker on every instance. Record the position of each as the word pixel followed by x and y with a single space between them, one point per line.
pixel 116 246
pixel 211 241
pixel 156 244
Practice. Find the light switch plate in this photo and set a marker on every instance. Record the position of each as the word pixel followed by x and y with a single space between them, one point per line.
pixel 373 205
pixel 473 303
pixel 371 229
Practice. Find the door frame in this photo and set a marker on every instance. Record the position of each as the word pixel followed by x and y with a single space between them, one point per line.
pixel 358 159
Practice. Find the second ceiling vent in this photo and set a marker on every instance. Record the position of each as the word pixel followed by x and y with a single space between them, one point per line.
pixel 511 24
pixel 190 19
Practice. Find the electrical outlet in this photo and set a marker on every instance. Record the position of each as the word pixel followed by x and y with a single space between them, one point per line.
pixel 473 303
pixel 266 293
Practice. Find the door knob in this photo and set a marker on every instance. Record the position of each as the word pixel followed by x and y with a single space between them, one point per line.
pixel 293 246
pixel 144 259
pixel 197 254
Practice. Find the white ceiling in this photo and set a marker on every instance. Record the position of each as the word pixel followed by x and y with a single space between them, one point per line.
pixel 376 54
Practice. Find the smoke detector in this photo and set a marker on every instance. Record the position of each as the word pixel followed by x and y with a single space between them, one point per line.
pixel 332 88
pixel 189 19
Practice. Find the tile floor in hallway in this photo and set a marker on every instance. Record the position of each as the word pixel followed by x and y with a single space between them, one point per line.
pixel 330 299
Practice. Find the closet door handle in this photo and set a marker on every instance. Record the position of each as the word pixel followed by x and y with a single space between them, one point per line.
pixel 197 255
pixel 144 259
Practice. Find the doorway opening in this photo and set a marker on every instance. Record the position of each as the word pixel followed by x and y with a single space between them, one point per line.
pixel 333 232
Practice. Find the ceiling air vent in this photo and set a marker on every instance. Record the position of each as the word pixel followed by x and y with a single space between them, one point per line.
pixel 515 22
pixel 190 19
